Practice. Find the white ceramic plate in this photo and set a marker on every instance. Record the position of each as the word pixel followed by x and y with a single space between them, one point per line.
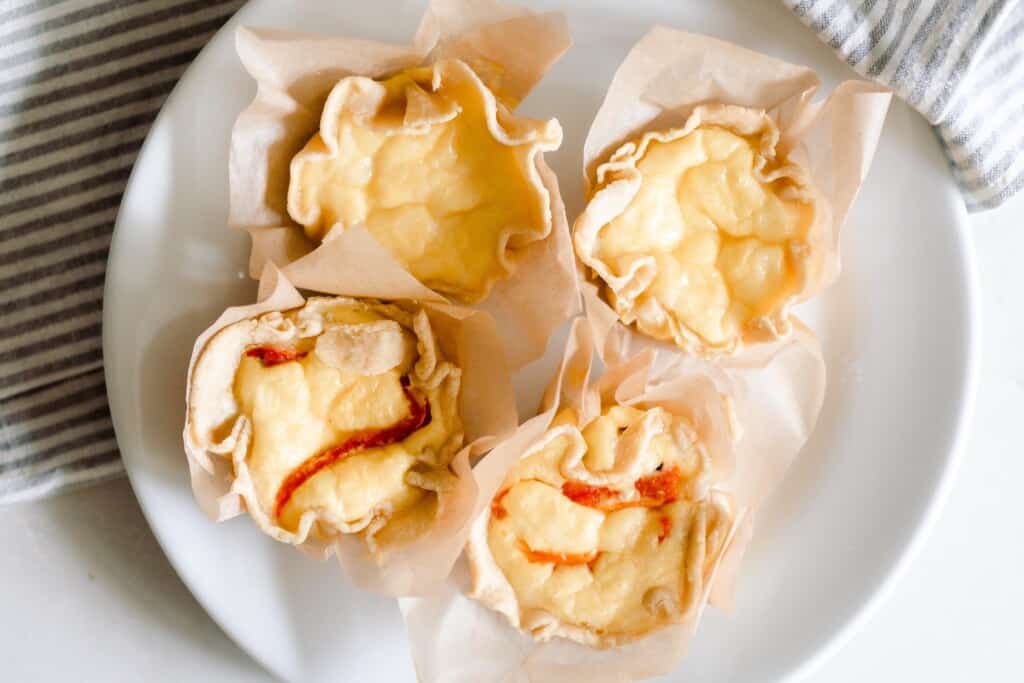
pixel 899 332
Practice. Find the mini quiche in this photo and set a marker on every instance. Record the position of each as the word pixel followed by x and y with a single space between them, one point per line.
pixel 437 168
pixel 339 417
pixel 604 532
pixel 703 235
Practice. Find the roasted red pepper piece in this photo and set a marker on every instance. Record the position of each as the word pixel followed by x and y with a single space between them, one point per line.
pixel 557 558
pixel 498 510
pixel 662 487
pixel 666 528
pixel 587 494
pixel 418 417
pixel 271 356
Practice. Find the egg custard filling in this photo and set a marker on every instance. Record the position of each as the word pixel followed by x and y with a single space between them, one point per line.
pixel 438 170
pixel 610 531
pixel 339 417
pixel 701 235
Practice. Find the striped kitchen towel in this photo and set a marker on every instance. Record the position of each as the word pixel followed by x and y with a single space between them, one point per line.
pixel 958 62
pixel 80 83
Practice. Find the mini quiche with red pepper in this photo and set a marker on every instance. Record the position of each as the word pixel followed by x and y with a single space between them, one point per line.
pixel 339 417
pixel 603 532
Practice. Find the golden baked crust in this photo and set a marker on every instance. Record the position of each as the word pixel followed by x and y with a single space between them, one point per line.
pixel 438 170
pixel 338 417
pixel 702 235
pixel 603 532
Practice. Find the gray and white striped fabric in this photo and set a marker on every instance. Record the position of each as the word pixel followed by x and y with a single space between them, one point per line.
pixel 958 62
pixel 80 83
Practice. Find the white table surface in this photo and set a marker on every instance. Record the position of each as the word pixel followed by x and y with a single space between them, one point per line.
pixel 87 595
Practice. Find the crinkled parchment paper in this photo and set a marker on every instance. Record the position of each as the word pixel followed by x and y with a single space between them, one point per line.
pixel 666 75
pixel 749 453
pixel 776 388
pixel 468 338
pixel 670 72
pixel 509 48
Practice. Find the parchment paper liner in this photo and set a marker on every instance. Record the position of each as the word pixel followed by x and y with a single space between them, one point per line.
pixel 427 106
pixel 669 74
pixel 466 337
pixel 509 48
pixel 776 388
pixel 620 181
pixel 774 404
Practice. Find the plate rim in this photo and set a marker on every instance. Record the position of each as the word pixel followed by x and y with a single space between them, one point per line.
pixel 107 325
pixel 928 518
